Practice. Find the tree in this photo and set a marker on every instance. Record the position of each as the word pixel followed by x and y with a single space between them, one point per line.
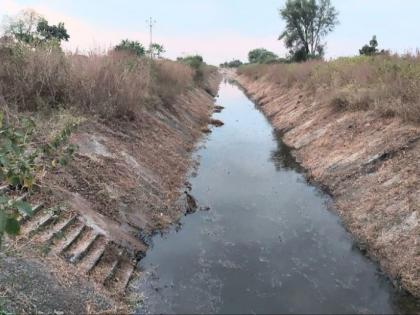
pixel 31 28
pixel 156 50
pixel 307 23
pixel 23 27
pixel 371 49
pixel 261 55
pixel 52 32
pixel 132 47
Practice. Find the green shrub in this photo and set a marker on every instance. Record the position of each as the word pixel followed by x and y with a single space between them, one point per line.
pixel 22 164
pixel 232 64
pixel 262 56
pixel 196 62
pixel 132 47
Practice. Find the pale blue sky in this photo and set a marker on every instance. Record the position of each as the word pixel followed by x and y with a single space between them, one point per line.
pixel 224 29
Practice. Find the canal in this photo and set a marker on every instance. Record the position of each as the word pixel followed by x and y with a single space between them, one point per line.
pixel 270 242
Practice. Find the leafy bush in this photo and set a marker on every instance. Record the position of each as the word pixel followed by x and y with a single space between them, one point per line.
pixel 31 28
pixel 22 164
pixel 196 62
pixel 232 64
pixel 372 49
pixel 262 56
pixel 132 47
pixel 156 50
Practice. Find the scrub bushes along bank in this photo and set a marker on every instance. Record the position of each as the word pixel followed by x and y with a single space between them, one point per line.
pixel 115 85
pixel 386 84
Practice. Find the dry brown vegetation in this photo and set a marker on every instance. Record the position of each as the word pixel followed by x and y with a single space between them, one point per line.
pixel 114 85
pixel 387 84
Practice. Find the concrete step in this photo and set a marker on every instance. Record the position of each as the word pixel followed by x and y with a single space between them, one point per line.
pixel 94 255
pixel 111 272
pixel 38 223
pixel 82 246
pixel 122 276
pixel 71 234
pixel 23 217
pixel 57 231
pixel 106 266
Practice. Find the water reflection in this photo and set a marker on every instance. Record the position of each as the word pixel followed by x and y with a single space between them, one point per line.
pixel 282 156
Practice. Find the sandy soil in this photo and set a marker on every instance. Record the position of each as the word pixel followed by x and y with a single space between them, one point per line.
pixel 369 164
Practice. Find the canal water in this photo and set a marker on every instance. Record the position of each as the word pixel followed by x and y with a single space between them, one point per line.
pixel 268 244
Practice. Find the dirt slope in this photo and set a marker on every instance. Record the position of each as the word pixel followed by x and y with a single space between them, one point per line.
pixel 369 164
pixel 125 181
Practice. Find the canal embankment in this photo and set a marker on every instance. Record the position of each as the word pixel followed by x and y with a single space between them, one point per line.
pixel 367 161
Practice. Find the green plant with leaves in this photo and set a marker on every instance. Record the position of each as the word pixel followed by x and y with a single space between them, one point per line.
pixel 231 64
pixel 261 55
pixel 307 23
pixel 156 50
pixel 22 163
pixel 196 62
pixel 132 47
pixel 9 212
pixel 52 32
pixel 372 48
pixel 59 150
pixel 2 308
pixel 31 28
pixel 16 161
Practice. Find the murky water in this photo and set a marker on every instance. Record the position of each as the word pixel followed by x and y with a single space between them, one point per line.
pixel 269 244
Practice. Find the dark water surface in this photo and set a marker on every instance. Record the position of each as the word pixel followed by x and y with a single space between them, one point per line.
pixel 269 244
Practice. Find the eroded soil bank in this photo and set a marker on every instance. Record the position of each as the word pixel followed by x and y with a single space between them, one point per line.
pixel 369 164
pixel 124 182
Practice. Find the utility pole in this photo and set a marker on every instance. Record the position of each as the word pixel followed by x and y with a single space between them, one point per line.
pixel 151 23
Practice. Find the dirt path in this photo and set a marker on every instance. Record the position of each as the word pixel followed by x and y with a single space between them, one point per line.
pixel 369 164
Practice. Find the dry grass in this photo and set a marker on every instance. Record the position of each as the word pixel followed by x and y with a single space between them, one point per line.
pixel 115 85
pixel 387 84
